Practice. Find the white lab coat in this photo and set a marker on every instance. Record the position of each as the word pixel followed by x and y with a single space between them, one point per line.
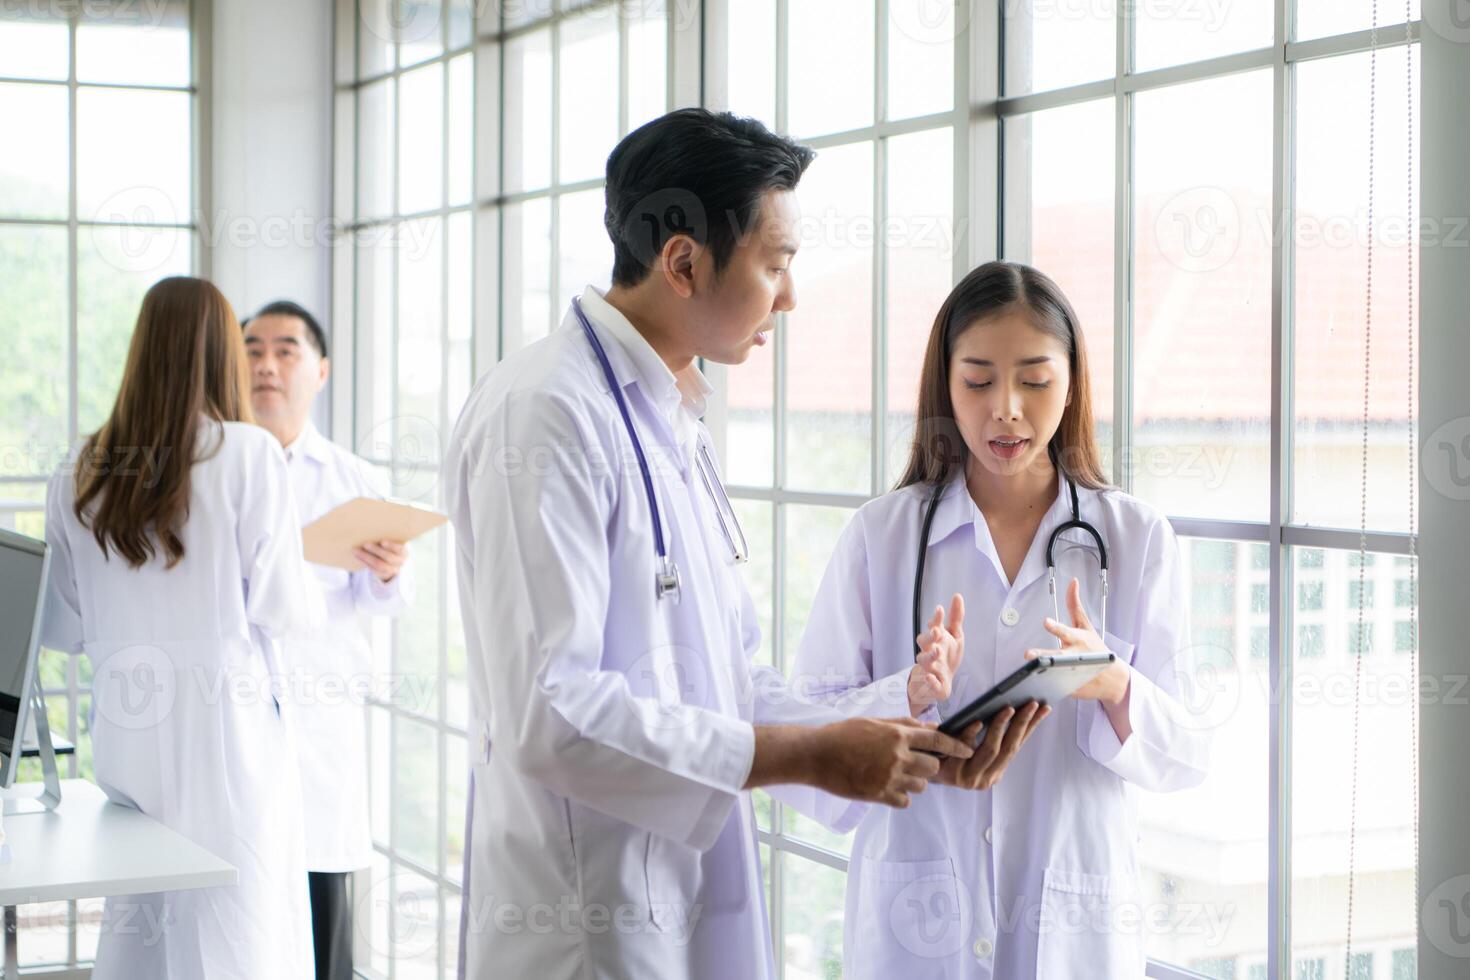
pixel 1037 877
pixel 608 834
pixel 183 721
pixel 328 670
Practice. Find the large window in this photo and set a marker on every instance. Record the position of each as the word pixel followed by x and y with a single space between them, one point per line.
pixel 469 159
pixel 1221 168
pixel 1197 183
pixel 1195 176
pixel 97 202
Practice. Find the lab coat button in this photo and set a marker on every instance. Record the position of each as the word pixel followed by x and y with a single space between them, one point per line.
pixel 990 835
pixel 983 948
pixel 1010 617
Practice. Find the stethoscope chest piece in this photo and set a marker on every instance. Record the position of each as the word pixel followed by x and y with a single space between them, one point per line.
pixel 667 582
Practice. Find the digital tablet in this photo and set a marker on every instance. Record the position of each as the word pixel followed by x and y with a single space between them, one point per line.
pixel 1044 680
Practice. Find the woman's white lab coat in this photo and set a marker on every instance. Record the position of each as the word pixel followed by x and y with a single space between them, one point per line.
pixel 1038 876
pixel 184 725
pixel 608 832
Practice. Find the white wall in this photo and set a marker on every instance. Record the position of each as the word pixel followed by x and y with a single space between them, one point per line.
pixel 267 213
pixel 1444 524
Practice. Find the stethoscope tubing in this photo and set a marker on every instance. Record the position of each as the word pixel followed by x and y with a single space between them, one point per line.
pixel 1051 569
pixel 667 580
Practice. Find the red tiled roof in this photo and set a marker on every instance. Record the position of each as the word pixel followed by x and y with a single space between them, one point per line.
pixel 1202 339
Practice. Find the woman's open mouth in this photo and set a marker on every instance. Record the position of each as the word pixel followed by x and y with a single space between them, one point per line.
pixel 1008 448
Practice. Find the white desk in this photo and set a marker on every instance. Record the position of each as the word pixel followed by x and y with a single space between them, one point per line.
pixel 90 848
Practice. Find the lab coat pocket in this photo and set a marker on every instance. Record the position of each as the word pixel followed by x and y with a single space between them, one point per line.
pixel 673 875
pixel 1090 713
pixel 1088 925
pixel 910 915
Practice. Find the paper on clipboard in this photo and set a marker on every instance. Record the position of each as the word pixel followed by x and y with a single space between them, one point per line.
pixel 331 538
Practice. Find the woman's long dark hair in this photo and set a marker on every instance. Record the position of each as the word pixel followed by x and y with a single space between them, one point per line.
pixel 938 449
pixel 186 362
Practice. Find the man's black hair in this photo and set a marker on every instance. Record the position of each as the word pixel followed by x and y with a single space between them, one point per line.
pixel 284 307
pixel 693 172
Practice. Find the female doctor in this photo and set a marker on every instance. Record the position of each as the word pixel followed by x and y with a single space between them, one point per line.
pixel 176 558
pixel 1034 874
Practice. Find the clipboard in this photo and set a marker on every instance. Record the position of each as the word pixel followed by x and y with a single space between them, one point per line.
pixel 331 538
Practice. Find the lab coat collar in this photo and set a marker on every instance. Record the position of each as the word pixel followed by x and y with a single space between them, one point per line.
pixel 310 444
pixel 957 509
pixel 689 388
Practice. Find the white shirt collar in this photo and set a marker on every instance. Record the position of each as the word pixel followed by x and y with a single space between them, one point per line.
pixel 666 389
pixel 957 508
pixel 309 444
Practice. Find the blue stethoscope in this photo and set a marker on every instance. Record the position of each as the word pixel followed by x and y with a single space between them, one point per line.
pixel 666 581
pixel 1051 565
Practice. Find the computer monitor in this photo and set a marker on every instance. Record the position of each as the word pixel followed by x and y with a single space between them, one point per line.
pixel 23 564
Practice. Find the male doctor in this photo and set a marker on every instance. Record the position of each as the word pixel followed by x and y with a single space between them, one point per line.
pixel 616 724
pixel 328 669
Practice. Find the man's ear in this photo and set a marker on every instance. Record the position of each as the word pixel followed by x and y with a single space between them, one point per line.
pixel 325 374
pixel 680 256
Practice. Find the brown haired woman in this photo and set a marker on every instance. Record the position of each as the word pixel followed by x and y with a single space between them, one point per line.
pixel 1033 875
pixel 176 556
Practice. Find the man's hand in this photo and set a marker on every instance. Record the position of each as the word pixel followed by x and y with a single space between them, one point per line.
pixel 880 760
pixel 941 648
pixel 384 558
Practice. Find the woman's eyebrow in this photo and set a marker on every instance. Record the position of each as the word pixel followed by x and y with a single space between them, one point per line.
pixel 1024 362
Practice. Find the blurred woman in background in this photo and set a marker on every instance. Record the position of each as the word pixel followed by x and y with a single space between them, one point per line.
pixel 176 559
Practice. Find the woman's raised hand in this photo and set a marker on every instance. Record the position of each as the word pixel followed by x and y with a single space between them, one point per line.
pixel 941 648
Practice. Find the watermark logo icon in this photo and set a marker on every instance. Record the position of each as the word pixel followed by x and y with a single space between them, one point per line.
pixel 1445 457
pixel 136 233
pixel 929 21
pixel 1199 229
pixel 1445 917
pixel 135 688
pixel 675 677
pixel 931 916
pixel 410 917
pixel 411 447
pixel 1449 19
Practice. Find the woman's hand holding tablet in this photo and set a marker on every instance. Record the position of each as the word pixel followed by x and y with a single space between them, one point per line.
pixel 1004 736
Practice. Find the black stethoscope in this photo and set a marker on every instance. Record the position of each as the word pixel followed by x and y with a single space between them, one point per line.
pixel 666 580
pixel 1051 567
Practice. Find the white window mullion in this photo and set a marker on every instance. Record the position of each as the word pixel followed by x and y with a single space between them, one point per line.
pixel 1281 608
